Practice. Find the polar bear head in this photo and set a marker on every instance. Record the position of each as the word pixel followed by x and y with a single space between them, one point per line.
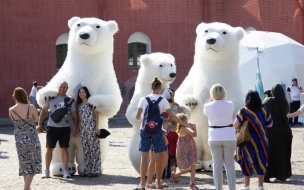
pixel 91 36
pixel 217 41
pixel 161 65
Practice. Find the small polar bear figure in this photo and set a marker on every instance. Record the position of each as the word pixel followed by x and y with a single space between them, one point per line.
pixel 89 63
pixel 161 65
pixel 216 60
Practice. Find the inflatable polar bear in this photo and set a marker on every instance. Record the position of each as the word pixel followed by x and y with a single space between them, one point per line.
pixel 216 60
pixel 161 65
pixel 89 63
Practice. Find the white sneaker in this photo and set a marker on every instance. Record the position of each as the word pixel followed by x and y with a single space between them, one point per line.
pixel 66 174
pixel 245 188
pixel 261 188
pixel 46 174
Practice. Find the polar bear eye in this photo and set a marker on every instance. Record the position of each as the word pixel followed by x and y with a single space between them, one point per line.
pixel 224 32
pixel 160 65
pixel 78 24
pixel 171 65
pixel 97 26
pixel 206 31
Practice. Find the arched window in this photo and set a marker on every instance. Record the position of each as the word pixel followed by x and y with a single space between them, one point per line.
pixel 131 94
pixel 250 28
pixel 138 44
pixel 61 49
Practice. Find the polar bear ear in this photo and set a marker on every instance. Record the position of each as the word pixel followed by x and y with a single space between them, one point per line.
pixel 72 21
pixel 144 58
pixel 240 32
pixel 199 27
pixel 113 26
pixel 171 57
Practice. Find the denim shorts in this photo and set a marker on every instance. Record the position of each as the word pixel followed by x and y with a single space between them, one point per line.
pixel 157 140
pixel 33 100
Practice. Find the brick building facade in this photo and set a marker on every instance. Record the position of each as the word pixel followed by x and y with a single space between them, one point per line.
pixel 30 29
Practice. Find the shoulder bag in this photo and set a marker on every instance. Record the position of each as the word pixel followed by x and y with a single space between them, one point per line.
pixel 243 136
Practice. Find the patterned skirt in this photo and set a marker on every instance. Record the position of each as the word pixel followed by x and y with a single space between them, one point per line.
pixel 186 152
pixel 28 147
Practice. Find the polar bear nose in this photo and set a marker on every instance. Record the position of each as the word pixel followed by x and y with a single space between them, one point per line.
pixel 211 41
pixel 84 36
pixel 172 75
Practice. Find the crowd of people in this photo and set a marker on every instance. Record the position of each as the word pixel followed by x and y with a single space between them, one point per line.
pixel 173 142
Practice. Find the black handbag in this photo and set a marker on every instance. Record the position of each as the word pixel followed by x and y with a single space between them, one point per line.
pixel 58 114
pixel 103 133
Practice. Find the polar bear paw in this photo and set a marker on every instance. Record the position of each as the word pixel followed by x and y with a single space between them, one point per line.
pixel 190 101
pixel 56 168
pixel 48 94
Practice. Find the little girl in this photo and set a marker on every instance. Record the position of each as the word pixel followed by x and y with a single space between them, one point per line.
pixel 186 153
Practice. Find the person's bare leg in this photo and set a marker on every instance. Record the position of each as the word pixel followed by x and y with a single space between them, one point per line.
pixel 192 175
pixel 158 168
pixel 180 172
pixel 164 159
pixel 48 157
pixel 65 157
pixel 247 180
pixel 151 167
pixel 261 180
pixel 27 181
pixel 143 168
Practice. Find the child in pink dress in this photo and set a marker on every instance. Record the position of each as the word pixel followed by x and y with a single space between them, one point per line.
pixel 186 152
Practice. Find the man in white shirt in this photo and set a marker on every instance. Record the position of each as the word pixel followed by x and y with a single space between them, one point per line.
pixel 294 98
pixel 156 140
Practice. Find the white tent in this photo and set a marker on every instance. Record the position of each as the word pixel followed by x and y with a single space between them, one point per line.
pixel 280 59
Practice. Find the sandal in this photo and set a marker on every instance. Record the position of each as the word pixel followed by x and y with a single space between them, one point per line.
pixel 163 184
pixel 174 179
pixel 193 186
pixel 139 188
pixel 150 186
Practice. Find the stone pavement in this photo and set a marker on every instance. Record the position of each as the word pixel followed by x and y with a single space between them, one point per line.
pixel 118 172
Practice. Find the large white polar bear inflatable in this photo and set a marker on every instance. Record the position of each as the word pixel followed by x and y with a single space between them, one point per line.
pixel 216 60
pixel 89 63
pixel 161 65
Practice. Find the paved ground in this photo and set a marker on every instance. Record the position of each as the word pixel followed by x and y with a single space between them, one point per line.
pixel 118 172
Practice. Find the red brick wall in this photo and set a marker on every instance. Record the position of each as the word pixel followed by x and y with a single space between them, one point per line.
pixel 270 15
pixel 170 26
pixel 29 30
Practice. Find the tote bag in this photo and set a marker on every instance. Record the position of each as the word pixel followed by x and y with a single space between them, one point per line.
pixel 243 136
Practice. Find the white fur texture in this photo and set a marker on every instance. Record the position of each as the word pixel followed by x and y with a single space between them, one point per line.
pixel 89 62
pixel 152 65
pixel 214 62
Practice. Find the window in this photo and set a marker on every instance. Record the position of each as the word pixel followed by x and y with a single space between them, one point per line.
pixel 61 53
pixel 138 44
pixel 61 49
pixel 131 94
pixel 135 51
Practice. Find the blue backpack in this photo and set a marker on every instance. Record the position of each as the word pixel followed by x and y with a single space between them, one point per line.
pixel 153 119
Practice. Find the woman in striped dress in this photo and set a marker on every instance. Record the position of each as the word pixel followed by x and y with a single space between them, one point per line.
pixel 253 156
